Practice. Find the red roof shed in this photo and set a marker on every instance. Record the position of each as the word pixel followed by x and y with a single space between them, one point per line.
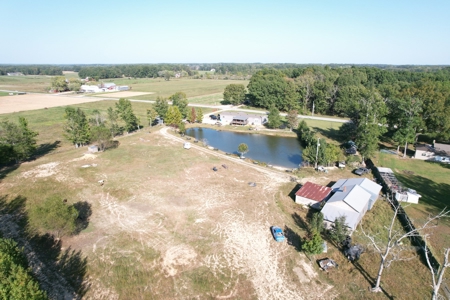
pixel 311 191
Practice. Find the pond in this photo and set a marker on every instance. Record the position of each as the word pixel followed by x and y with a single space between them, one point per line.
pixel 274 150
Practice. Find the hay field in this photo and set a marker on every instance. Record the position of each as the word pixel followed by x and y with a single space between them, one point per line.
pixel 28 83
pixel 163 88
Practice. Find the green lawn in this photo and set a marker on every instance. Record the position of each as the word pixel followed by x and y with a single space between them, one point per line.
pixel 4 94
pixel 432 181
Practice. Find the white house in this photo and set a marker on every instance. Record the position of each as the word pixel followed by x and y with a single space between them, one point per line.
pixel 367 184
pixel 240 118
pixel 311 194
pixel 349 201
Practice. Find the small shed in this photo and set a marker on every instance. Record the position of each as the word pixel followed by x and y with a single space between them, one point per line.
pixel 312 194
pixel 409 196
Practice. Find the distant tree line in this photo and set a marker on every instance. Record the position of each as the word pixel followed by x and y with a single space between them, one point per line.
pixel 135 71
pixel 31 69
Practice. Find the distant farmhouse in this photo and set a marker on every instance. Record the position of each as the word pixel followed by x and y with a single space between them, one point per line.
pixel 436 152
pixel 240 118
pixel 103 87
pixel 15 74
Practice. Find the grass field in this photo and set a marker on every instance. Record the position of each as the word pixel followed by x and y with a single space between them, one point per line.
pixel 29 83
pixel 164 88
pixel 4 94
pixel 432 181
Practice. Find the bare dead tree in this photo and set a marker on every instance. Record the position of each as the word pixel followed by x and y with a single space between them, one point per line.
pixel 391 250
pixel 436 275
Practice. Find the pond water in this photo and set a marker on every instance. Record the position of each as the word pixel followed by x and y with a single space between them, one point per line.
pixel 273 150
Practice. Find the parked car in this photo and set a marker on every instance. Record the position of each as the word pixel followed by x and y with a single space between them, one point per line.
pixel 218 124
pixel 341 164
pixel 327 263
pixel 277 233
pixel 362 171
pixel 187 145
pixel 213 117
pixel 351 150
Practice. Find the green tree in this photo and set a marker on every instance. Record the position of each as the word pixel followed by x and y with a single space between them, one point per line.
pixel 59 84
pixel 242 149
pixel 269 88
pixel 369 121
pixel 316 223
pixel 102 136
pixel 18 141
pixel 274 118
pixel 74 85
pixel 173 117
pixel 97 118
pixel 408 120
pixel 161 106
pixel 292 119
pixel 200 115
pixel 77 128
pixel 113 117
pixel 182 128
pixel 339 230
pixel 54 216
pixel 16 280
pixel 234 94
pixel 125 112
pixel 193 115
pixel 167 75
pixel 313 245
pixel 151 115
pixel 179 100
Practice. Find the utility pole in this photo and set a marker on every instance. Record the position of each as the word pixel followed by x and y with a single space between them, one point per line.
pixel 317 151
pixel 312 113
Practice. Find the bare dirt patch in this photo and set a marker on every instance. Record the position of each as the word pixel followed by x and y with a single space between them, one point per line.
pixel 124 94
pixel 9 104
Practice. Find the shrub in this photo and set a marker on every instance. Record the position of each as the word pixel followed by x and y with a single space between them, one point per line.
pixel 54 216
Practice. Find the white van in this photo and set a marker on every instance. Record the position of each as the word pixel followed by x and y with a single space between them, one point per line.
pixel 187 145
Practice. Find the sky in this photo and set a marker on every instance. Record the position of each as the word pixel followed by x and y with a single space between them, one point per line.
pixel 397 32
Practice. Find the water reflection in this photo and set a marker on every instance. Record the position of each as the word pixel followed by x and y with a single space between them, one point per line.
pixel 275 150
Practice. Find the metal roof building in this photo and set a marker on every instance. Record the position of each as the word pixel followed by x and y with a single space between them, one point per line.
pixel 312 194
pixel 351 201
pixel 367 184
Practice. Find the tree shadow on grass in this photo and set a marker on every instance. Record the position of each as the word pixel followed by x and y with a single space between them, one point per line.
pixel 68 264
pixel 293 238
pixel 330 133
pixel 6 169
pixel 84 213
pixel 369 278
pixel 300 222
pixel 46 148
